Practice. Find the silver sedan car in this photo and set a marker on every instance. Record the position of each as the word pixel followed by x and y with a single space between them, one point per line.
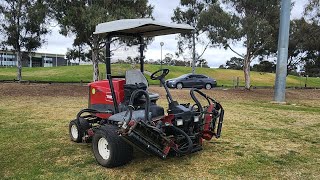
pixel 192 81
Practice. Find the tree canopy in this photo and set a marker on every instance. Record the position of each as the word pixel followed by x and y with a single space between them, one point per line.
pixel 23 26
pixel 245 21
pixel 80 18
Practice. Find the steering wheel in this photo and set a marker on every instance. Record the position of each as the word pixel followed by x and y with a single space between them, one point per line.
pixel 164 73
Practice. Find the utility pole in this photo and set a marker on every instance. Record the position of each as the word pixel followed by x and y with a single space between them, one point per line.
pixel 161 44
pixel 283 43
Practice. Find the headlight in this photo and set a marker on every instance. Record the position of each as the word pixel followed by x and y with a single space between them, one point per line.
pixel 196 119
pixel 179 122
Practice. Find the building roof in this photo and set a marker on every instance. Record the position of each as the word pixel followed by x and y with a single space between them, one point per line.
pixel 33 54
pixel 142 27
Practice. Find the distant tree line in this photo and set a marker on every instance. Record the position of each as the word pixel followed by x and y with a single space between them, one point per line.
pixel 255 23
pixel 168 60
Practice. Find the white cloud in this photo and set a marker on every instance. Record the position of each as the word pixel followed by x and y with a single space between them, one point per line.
pixel 56 43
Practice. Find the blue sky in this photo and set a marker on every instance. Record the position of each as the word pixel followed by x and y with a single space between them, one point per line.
pixel 163 10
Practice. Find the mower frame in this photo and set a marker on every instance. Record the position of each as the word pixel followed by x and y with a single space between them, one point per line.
pixel 113 138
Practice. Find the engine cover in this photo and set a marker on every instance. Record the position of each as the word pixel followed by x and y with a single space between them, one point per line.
pixel 100 97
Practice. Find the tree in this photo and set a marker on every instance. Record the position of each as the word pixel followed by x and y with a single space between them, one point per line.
pixel 189 12
pixel 77 54
pixel 180 63
pixel 203 63
pixel 304 37
pixel 23 26
pixel 312 11
pixel 254 22
pixel 311 44
pixel 295 45
pixel 235 63
pixel 265 66
pixel 80 17
pixel 168 58
pixel 222 66
pixel 312 67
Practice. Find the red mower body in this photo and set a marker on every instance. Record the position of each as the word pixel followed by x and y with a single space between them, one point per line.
pixel 100 97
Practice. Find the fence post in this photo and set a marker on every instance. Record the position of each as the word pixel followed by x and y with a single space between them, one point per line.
pixel 238 80
pixel 305 84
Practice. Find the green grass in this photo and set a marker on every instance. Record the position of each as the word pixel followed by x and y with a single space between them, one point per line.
pixel 259 140
pixel 224 77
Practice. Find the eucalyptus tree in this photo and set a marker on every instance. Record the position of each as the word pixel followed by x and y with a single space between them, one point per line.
pixel 23 25
pixel 311 43
pixel 191 12
pixel 79 17
pixel 312 11
pixel 251 22
pixel 257 27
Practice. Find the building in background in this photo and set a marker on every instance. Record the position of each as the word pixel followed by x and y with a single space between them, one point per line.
pixel 8 58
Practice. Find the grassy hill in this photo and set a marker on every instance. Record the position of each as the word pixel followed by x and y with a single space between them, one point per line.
pixel 224 77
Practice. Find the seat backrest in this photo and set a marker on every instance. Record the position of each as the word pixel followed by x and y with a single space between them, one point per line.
pixel 134 76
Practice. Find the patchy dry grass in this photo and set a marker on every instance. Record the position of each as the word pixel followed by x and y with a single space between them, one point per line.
pixel 259 140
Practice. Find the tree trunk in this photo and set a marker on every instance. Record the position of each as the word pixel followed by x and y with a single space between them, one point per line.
pixel 246 70
pixel 19 65
pixel 95 59
pixel 193 53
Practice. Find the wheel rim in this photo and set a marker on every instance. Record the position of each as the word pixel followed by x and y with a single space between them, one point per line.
pixel 74 131
pixel 179 86
pixel 208 86
pixel 103 148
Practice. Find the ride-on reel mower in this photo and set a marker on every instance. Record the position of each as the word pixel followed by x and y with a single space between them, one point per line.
pixel 122 114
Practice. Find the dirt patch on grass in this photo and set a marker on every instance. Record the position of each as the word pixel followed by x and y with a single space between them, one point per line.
pixel 16 89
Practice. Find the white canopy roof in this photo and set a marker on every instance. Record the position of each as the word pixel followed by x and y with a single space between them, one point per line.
pixel 143 27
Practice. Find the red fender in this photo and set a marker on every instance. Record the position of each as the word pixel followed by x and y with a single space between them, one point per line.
pixel 207 134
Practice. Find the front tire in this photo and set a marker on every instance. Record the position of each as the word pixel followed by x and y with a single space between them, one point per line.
pixel 179 85
pixel 208 86
pixel 75 131
pixel 109 149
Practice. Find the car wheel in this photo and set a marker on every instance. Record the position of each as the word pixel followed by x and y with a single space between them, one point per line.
pixel 208 86
pixel 179 85
pixel 109 149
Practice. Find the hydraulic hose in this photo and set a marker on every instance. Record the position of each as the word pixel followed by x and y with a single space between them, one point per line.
pixel 195 99
pixel 190 143
pixel 147 103
pixel 89 111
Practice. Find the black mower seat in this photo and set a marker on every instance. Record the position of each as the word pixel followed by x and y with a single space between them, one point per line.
pixel 153 97
pixel 136 115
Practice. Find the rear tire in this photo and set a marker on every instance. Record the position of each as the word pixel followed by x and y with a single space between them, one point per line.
pixel 75 131
pixel 179 85
pixel 109 149
pixel 208 86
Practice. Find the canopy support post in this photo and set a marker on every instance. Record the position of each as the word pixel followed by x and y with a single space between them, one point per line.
pixel 109 77
pixel 141 53
pixel 108 57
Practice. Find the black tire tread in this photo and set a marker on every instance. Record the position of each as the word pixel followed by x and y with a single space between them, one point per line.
pixel 120 156
pixel 80 131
